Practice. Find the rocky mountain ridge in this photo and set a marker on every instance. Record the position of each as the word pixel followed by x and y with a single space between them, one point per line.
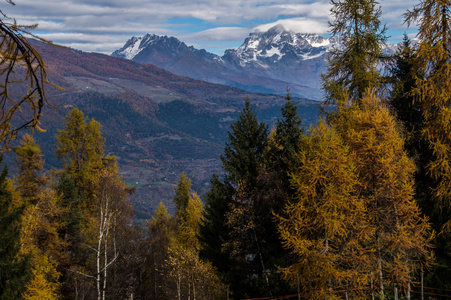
pixel 267 61
pixel 156 123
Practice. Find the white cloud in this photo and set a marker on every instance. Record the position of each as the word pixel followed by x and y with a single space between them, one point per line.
pixel 301 25
pixel 93 25
pixel 217 34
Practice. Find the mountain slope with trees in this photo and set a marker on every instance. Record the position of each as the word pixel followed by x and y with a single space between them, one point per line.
pixel 157 124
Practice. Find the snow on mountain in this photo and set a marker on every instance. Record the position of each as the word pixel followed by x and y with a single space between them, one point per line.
pixel 134 46
pixel 267 61
pixel 275 43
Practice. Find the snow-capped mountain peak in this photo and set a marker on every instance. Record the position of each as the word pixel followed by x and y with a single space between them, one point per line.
pixel 134 46
pixel 273 45
pixel 267 61
pixel 142 49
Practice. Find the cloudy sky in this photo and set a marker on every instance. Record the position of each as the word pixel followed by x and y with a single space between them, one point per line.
pixel 215 25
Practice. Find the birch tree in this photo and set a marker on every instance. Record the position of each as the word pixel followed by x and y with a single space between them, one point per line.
pixel 113 211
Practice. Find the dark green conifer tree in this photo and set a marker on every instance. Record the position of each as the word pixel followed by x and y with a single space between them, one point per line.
pixel 70 201
pixel 214 232
pixel 244 154
pixel 285 142
pixel 14 272
pixel 245 151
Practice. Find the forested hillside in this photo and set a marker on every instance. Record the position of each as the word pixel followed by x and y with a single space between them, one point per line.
pixel 354 206
pixel 157 124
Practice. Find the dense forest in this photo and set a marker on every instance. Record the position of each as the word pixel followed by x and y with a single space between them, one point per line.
pixel 355 207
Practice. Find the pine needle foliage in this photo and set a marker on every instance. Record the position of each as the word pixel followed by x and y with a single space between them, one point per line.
pixel 285 142
pixel 246 148
pixel 353 67
pixel 433 90
pixel 402 240
pixel 326 226
pixel 14 269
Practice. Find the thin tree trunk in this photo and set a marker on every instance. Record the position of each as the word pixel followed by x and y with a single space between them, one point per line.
pixel 76 289
pixel 261 261
pixel 178 286
pixel 408 290
pixel 194 289
pixel 105 266
pixel 299 288
pixel 155 277
pixel 379 266
pixel 372 287
pixel 99 250
pixel 379 263
pixel 346 292
pixel 189 290
pixel 422 285
pixel 395 291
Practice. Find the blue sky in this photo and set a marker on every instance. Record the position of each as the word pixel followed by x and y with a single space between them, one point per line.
pixel 215 25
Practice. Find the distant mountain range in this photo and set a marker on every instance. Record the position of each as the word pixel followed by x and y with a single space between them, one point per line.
pixel 267 62
pixel 157 124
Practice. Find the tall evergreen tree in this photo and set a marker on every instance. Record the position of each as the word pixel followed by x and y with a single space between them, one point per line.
pixel 244 154
pixel 14 270
pixel 403 79
pixel 70 232
pixel 433 94
pixel 353 67
pixel 213 232
pixel 285 142
pixel 245 151
pixel 72 215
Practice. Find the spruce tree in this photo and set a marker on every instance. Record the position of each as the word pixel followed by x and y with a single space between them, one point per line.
pixel 285 142
pixel 353 66
pixel 245 151
pixel 214 232
pixel 14 271
pixel 244 154
pixel 403 78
